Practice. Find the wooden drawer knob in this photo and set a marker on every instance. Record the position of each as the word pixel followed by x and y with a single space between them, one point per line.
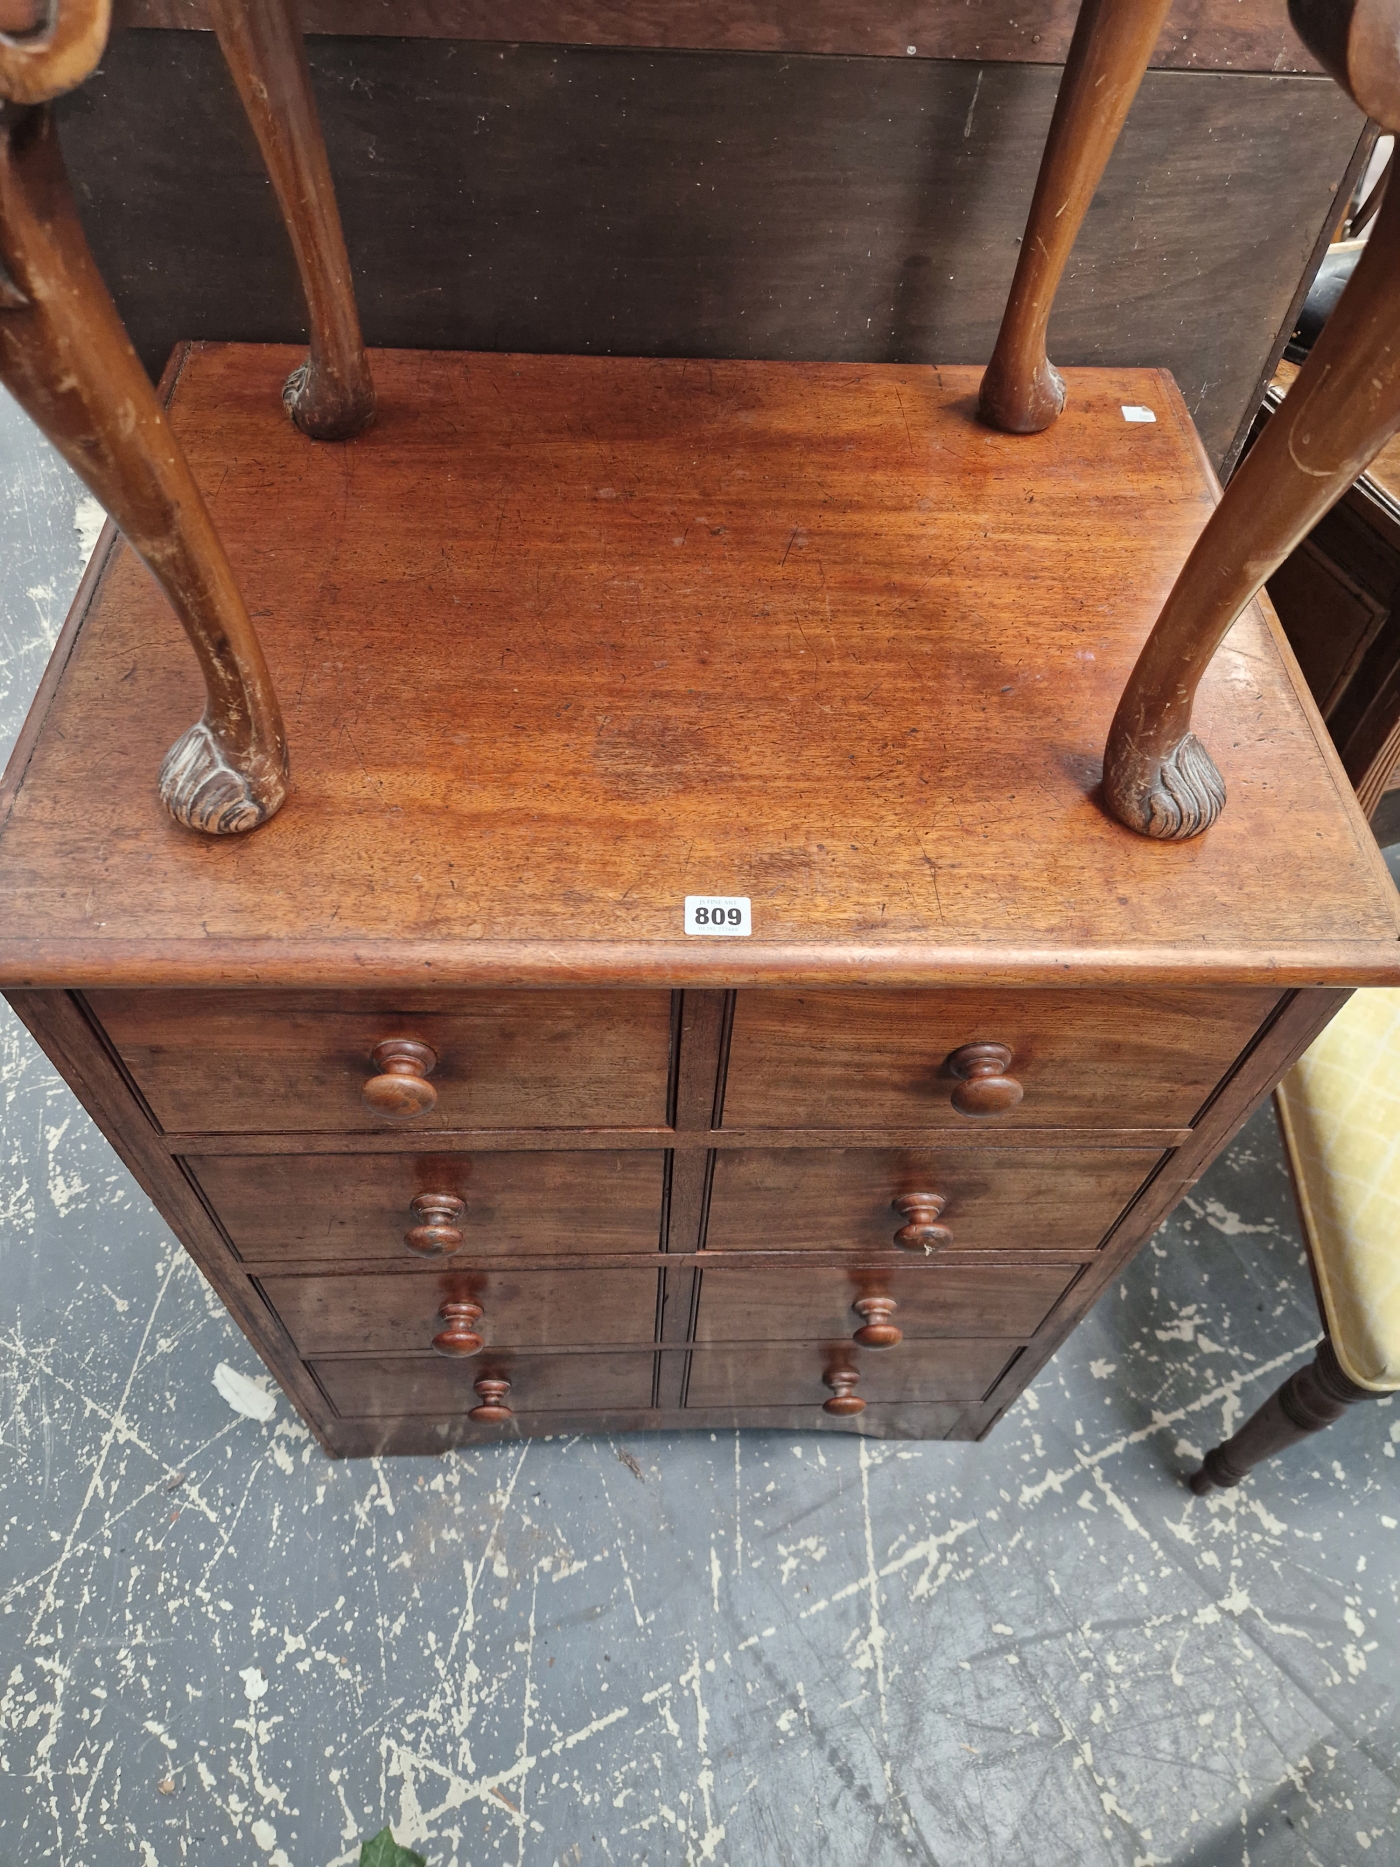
pixel 877 1331
pixel 438 1231
pixel 844 1399
pixel 984 1087
pixel 400 1090
pixel 493 1406
pixel 460 1336
pixel 921 1231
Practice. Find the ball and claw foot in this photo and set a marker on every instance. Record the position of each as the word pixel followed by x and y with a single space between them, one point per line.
pixel 323 412
pixel 1178 799
pixel 203 791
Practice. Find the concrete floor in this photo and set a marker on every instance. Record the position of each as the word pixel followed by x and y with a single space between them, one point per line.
pixel 217 1646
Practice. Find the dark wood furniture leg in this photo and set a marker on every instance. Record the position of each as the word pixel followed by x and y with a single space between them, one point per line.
pixel 330 397
pixel 1022 391
pixel 1158 777
pixel 1311 1398
pixel 67 361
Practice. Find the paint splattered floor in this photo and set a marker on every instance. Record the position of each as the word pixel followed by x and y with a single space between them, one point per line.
pixel 216 1646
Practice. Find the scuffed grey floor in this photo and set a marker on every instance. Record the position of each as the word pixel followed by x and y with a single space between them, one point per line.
pixel 217 1646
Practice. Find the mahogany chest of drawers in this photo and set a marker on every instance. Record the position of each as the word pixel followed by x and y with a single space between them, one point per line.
pixel 472 1139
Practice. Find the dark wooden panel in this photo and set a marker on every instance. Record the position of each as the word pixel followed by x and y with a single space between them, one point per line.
pixel 717 204
pixel 1021 1200
pixel 309 1206
pixel 1082 1057
pixel 404 1386
pixel 1331 620
pixel 1239 35
pixel 396 1315
pixel 209 1062
pixel 790 1374
pixel 938 1299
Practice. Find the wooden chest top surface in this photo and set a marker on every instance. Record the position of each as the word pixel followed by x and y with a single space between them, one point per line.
pixel 561 641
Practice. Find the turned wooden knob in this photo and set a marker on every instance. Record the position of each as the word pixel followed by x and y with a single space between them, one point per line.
pixel 877 1331
pixel 984 1088
pixel 493 1406
pixel 460 1336
pixel 437 1233
pixel 921 1231
pixel 400 1091
pixel 844 1398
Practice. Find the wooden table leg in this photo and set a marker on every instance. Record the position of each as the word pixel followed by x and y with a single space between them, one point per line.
pixel 330 397
pixel 1022 392
pixel 1343 408
pixel 1311 1398
pixel 68 362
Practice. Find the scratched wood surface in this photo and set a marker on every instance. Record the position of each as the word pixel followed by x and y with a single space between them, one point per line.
pixel 562 641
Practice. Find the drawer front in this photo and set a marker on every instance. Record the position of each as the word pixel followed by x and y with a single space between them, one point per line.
pixel 285 1063
pixel 941 1299
pixel 411 1386
pixel 304 1207
pixel 1084 1058
pixel 792 1375
pixel 1013 1199
pixel 397 1315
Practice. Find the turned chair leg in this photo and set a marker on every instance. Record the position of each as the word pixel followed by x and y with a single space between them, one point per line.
pixel 330 397
pixel 1311 1398
pixel 68 362
pixel 1342 409
pixel 1022 392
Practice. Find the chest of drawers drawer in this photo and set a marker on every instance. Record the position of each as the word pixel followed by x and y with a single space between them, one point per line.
pixel 943 1299
pixel 920 1200
pixel 462 1312
pixel 307 1207
pixel 520 1386
pixel 279 1063
pixel 801 1375
pixel 1079 1058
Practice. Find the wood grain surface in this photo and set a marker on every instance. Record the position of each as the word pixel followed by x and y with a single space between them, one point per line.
pixel 819 1199
pixel 1082 1057
pixel 541 198
pixel 403 1386
pixel 1230 35
pixel 389 1314
pixel 791 1373
pixel 938 1299
pixel 688 628
pixel 208 1062
pixel 302 1207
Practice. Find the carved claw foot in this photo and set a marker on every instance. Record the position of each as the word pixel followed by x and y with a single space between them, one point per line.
pixel 323 409
pixel 1178 797
pixel 1027 406
pixel 203 791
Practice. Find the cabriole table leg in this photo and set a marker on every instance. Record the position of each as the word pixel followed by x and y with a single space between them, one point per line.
pixel 1022 391
pixel 330 397
pixel 67 360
